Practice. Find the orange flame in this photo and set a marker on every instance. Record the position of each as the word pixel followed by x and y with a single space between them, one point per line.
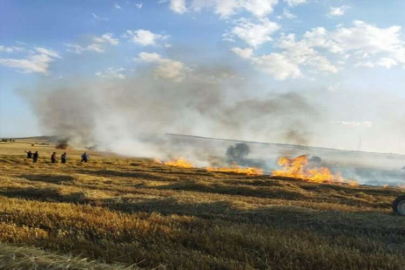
pixel 237 169
pixel 181 162
pixel 297 168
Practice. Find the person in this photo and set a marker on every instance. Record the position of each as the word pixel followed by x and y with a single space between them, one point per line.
pixel 84 157
pixel 53 157
pixel 29 154
pixel 35 157
pixel 63 158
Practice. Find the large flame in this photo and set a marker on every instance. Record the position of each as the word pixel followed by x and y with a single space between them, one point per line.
pixel 299 168
pixel 181 163
pixel 236 169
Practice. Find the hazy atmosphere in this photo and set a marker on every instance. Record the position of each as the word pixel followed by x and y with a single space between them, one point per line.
pixel 315 73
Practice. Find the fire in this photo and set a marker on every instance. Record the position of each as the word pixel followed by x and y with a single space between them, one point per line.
pixel 298 168
pixel 237 169
pixel 181 162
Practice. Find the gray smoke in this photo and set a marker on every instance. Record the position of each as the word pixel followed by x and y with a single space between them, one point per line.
pixel 120 115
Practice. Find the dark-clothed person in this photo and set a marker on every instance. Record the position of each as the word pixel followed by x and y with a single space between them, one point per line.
pixel 53 157
pixel 29 154
pixel 63 158
pixel 35 157
pixel 85 158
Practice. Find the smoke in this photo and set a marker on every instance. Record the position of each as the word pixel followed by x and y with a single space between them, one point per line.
pixel 125 116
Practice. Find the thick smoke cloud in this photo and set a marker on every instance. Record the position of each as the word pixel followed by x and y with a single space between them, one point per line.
pixel 118 115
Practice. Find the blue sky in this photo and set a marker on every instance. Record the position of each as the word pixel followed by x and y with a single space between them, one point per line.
pixel 351 52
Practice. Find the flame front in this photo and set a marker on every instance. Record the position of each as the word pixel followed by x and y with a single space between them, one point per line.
pixel 237 169
pixel 181 163
pixel 298 168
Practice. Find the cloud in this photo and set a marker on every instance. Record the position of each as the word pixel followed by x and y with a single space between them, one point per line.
pixel 243 53
pixel 287 14
pixel 35 63
pixel 98 18
pixel 144 37
pixel 139 5
pixel 167 68
pixel 178 6
pixel 112 73
pixel 255 34
pixel 97 44
pixel 226 8
pixel 116 6
pixel 292 3
pixel 277 65
pixel 337 11
pixel 11 49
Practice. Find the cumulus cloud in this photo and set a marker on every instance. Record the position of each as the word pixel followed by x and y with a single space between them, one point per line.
pixel 255 34
pixel 277 65
pixel 292 3
pixel 243 53
pixel 97 44
pixel 178 6
pixel 112 73
pixel 337 11
pixel 36 62
pixel 144 37
pixel 167 68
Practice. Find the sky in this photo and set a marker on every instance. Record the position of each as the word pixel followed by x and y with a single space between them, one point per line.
pixel 346 57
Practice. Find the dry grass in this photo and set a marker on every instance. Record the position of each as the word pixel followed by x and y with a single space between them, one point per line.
pixel 118 212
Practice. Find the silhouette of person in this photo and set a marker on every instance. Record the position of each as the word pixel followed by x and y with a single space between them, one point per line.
pixel 53 157
pixel 63 158
pixel 84 158
pixel 35 157
pixel 29 154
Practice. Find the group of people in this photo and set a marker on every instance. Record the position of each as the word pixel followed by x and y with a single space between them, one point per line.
pixel 63 157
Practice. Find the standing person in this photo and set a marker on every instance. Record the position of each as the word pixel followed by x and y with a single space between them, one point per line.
pixel 63 158
pixel 35 157
pixel 84 158
pixel 53 157
pixel 29 154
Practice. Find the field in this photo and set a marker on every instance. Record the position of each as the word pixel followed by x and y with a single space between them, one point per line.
pixel 129 213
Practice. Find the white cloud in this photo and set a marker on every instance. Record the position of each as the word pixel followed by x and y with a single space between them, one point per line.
pixel 292 3
pixel 255 34
pixel 227 8
pixel 178 6
pixel 243 53
pixel 112 73
pixel 98 18
pixel 260 8
pixel 106 38
pixel 383 62
pixel 287 14
pixel 11 49
pixel 277 65
pixel 337 11
pixel 35 63
pixel 139 5
pixel 144 37
pixel 116 6
pixel 167 68
pixel 97 44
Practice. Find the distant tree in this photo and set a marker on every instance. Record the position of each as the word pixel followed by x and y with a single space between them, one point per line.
pixel 237 152
pixel 315 159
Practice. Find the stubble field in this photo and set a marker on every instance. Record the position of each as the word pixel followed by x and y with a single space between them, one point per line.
pixel 128 213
